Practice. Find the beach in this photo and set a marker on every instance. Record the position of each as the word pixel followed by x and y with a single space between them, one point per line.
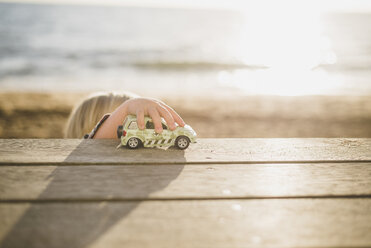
pixel 227 73
pixel 43 115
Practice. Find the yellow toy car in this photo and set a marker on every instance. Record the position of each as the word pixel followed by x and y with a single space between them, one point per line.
pixel 133 137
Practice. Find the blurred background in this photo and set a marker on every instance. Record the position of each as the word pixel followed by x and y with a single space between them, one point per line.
pixel 231 68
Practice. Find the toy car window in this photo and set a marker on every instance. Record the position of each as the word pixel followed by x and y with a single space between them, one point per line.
pixel 133 125
pixel 150 125
pixel 126 120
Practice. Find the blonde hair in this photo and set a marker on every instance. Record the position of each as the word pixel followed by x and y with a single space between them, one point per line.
pixel 87 114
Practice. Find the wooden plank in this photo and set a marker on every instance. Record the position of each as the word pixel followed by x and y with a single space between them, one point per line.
pixel 223 223
pixel 63 151
pixel 38 183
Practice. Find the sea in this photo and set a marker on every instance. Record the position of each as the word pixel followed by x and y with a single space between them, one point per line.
pixel 183 51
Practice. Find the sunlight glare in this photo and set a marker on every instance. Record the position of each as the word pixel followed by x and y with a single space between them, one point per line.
pixel 278 81
pixel 287 38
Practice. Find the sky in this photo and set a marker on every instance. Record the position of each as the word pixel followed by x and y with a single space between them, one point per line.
pixel 320 5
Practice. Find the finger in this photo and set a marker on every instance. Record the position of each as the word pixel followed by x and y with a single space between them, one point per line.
pixel 167 116
pixel 175 115
pixel 140 119
pixel 156 118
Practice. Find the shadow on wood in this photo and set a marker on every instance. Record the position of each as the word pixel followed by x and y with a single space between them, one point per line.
pixel 32 231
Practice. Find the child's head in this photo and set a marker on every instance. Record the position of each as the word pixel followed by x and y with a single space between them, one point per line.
pixel 85 115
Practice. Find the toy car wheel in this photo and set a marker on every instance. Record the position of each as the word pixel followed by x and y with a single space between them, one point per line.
pixel 182 142
pixel 119 131
pixel 133 143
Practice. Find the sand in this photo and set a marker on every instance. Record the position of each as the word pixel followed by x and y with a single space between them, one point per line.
pixel 43 115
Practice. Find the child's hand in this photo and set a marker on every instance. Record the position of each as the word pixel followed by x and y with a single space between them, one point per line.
pixel 155 109
pixel 139 107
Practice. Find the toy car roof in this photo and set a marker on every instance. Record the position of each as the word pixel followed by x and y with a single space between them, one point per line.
pixel 134 117
pixel 146 118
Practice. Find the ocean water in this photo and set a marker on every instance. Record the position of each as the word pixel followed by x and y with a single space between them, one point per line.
pixel 183 51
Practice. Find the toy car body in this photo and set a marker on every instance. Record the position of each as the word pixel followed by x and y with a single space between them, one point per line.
pixel 132 137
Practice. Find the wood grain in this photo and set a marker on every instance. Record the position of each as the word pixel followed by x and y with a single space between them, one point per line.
pixel 217 193
pixel 184 182
pixel 223 223
pixel 64 151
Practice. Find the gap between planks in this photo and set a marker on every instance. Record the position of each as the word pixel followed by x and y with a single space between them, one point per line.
pixel 181 163
pixel 96 200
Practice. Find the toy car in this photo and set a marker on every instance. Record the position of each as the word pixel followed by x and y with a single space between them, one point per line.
pixel 133 137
